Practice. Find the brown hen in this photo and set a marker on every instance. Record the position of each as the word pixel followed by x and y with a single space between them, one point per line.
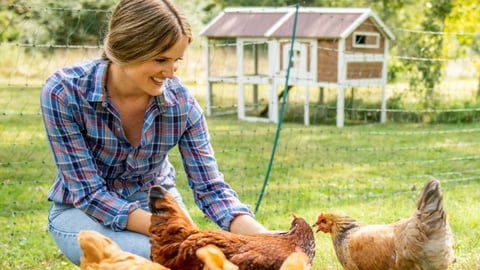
pixel 175 239
pixel 101 253
pixel 423 241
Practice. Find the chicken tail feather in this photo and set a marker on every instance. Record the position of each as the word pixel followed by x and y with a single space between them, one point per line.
pixel 430 209
pixel 438 247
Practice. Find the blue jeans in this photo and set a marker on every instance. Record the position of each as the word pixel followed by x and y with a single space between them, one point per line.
pixel 65 222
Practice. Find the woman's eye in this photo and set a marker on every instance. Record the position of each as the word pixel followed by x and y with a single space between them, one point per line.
pixel 165 60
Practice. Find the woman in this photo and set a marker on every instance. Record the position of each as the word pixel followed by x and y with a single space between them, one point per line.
pixel 110 123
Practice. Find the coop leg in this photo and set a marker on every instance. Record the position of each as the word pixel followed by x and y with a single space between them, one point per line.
pixel 340 105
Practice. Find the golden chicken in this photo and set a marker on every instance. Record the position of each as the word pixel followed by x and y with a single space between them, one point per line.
pixel 175 240
pixel 296 261
pixel 214 259
pixel 101 253
pixel 423 241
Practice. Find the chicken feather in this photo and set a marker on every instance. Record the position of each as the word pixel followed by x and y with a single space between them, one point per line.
pixel 423 241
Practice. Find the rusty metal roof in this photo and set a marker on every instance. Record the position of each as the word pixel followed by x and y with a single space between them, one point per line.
pixel 278 22
pixel 317 25
pixel 236 24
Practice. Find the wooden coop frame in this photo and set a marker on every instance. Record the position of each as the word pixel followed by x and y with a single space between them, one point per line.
pixel 344 42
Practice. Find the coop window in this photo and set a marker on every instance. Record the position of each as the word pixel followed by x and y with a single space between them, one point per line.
pixel 366 40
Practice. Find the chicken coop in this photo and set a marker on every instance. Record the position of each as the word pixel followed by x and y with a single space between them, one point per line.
pixel 333 48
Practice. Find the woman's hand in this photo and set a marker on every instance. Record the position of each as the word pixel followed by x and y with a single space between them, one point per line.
pixel 245 224
pixel 139 221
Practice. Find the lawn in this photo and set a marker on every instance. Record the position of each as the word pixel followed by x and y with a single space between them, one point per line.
pixel 373 172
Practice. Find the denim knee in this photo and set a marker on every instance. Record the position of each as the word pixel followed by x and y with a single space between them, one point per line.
pixel 67 243
pixel 65 222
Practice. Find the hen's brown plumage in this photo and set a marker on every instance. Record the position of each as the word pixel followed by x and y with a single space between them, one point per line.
pixel 101 253
pixel 175 240
pixel 423 241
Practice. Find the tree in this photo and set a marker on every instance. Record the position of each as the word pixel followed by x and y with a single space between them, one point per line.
pixel 74 23
pixel 11 13
pixel 81 22
pixel 428 48
pixel 462 35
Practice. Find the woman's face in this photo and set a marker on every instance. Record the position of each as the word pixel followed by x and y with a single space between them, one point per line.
pixel 148 76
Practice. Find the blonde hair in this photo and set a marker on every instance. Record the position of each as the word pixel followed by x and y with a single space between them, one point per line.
pixel 140 30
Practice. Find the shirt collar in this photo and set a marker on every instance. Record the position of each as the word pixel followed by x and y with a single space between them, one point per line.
pixel 168 98
pixel 99 79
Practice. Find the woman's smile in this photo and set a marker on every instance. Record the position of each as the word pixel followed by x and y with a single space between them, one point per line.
pixel 157 81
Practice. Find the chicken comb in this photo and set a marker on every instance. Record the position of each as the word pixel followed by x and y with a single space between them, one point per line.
pixel 320 216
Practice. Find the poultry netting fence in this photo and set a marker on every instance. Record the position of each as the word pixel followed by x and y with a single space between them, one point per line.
pixel 366 169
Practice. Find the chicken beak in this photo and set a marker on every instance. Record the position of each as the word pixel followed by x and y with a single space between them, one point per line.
pixel 320 227
pixel 316 225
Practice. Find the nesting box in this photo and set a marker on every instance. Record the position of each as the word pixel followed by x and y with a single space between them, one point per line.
pixel 324 47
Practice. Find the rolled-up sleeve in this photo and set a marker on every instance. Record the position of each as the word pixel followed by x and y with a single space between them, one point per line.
pixel 212 194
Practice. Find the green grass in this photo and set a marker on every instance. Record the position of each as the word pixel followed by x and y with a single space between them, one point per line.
pixel 369 171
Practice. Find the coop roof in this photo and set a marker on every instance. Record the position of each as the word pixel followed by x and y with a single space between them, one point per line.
pixel 269 22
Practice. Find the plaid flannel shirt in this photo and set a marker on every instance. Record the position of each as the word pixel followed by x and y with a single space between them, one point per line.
pixel 98 168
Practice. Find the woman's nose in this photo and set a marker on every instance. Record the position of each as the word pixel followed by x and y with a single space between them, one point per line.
pixel 170 70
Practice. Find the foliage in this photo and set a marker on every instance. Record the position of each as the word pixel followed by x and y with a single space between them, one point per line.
pixel 10 18
pixel 464 18
pixel 428 48
pixel 77 23
pixel 55 22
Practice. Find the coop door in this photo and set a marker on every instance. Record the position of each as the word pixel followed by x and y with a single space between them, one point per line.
pixel 298 62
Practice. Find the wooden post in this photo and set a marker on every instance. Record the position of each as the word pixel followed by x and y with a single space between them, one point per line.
pixel 340 105
pixel 383 111
pixel 352 103
pixel 306 106
pixel 341 73
pixel 240 81
pixel 273 106
pixel 321 101
pixel 255 70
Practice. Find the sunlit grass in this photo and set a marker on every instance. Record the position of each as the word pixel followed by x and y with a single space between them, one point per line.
pixel 369 171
